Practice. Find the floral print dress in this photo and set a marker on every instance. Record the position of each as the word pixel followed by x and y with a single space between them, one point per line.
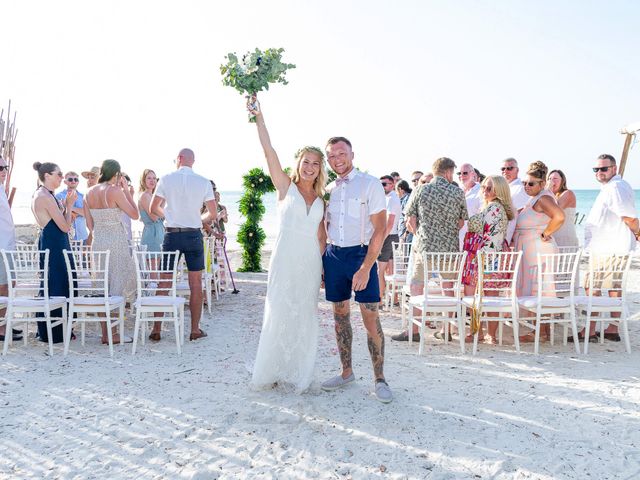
pixel 487 232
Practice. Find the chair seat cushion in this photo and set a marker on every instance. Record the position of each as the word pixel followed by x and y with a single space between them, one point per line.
pixel 583 301
pixel 434 301
pixel 54 302
pixel 489 302
pixel 113 301
pixel 532 302
pixel 160 301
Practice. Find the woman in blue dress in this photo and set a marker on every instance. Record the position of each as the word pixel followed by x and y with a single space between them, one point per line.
pixel 153 232
pixel 55 220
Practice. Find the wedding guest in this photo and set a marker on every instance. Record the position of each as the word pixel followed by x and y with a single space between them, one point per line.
pixel 535 226
pixel 80 231
pixel 104 206
pixel 519 197
pixel 55 219
pixel 487 233
pixel 479 176
pixel 7 241
pixel 404 192
pixel 92 179
pixel 426 178
pixel 394 213
pixel 612 225
pixel 153 231
pixel 438 210
pixel 415 178
pixel 183 193
pixel 91 176
pixel 126 219
pixel 557 184
pixel 471 188
pixel 356 226
pixel 395 176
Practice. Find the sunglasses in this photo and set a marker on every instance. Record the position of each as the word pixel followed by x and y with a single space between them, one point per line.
pixel 4 167
pixel 533 184
pixel 415 180
pixel 601 169
pixel 507 169
pixel 384 184
pixel 486 188
pixel 460 174
pixel 72 179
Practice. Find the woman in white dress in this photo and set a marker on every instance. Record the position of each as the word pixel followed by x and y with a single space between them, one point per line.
pixel 557 183
pixel 289 337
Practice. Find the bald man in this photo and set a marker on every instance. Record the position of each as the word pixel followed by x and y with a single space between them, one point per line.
pixel 468 181
pixel 183 193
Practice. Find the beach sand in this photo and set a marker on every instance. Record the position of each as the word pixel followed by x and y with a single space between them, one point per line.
pixel 499 415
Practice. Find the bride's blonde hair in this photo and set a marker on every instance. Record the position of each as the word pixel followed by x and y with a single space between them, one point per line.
pixel 321 180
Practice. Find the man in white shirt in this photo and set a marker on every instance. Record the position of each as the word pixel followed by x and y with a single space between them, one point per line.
pixel 184 192
pixel 612 225
pixel 468 180
pixel 7 239
pixel 519 197
pixel 394 214
pixel 356 225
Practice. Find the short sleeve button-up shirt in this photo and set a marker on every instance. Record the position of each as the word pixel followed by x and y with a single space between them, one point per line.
pixel 438 206
pixel 604 229
pixel 7 228
pixel 184 192
pixel 345 211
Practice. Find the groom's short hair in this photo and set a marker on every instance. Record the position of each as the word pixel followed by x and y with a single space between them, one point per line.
pixel 334 140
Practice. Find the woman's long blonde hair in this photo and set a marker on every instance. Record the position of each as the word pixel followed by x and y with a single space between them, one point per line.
pixel 321 180
pixel 503 194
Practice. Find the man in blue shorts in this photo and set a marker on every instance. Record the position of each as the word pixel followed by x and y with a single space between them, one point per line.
pixel 356 224
pixel 182 193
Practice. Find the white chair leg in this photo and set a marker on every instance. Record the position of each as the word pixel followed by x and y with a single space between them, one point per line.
pixel 574 331
pixel 516 330
pixel 209 297
pixel 109 333
pixel 121 324
pixel 625 331
pixel 136 332
pixel 423 321
pixel 176 325
pixel 461 330
pixel 182 324
pixel 67 337
pixel 587 330
pixel 8 332
pixel 402 310
pixel 49 333
pixel 536 343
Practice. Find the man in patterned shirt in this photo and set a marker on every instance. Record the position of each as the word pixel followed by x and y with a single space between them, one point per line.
pixel 436 213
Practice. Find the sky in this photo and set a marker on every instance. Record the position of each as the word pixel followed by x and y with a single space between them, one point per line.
pixel 405 81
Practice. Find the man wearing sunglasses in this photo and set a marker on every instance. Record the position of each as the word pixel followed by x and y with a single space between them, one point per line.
pixel 71 180
pixel 519 197
pixel 612 224
pixel 468 180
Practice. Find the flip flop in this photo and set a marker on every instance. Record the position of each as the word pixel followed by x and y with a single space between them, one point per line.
pixel 195 336
pixel 614 337
pixel 592 338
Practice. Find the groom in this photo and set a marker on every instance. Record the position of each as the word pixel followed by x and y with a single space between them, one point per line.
pixel 356 223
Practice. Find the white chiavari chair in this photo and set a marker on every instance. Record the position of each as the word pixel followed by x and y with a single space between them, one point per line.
pixel 397 279
pixel 28 285
pixel 156 275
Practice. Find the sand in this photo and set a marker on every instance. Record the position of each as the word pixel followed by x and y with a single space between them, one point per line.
pixel 499 415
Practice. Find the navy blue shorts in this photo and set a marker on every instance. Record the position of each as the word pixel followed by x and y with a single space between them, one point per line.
pixel 340 265
pixel 190 245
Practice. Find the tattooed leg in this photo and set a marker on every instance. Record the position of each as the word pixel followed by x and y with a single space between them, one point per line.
pixel 344 334
pixel 375 337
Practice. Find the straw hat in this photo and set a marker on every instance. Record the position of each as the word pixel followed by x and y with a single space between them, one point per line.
pixel 95 171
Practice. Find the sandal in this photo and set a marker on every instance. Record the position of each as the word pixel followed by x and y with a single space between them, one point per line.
pixel 614 337
pixel 154 336
pixel 592 338
pixel 199 334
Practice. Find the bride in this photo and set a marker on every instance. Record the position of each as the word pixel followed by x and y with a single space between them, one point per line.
pixel 289 337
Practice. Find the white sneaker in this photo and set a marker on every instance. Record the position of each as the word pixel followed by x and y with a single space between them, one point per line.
pixel 383 392
pixel 337 382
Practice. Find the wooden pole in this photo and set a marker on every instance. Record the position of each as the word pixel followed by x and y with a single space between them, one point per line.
pixel 625 152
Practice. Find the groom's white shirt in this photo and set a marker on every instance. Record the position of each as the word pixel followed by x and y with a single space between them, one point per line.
pixel 345 211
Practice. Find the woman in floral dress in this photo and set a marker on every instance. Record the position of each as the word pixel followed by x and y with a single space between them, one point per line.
pixel 487 232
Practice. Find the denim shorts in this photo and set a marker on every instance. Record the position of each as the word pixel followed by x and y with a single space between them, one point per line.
pixel 190 245
pixel 340 265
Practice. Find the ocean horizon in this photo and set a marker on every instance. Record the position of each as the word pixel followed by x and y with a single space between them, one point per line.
pixel 22 213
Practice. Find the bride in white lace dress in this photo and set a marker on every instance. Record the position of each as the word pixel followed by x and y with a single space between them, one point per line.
pixel 289 338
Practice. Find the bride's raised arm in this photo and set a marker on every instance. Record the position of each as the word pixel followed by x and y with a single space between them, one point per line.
pixel 279 178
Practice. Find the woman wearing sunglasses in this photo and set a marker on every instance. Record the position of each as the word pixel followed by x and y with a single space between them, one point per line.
pixel 536 224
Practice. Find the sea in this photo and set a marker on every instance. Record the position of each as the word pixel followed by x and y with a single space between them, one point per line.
pixel 22 213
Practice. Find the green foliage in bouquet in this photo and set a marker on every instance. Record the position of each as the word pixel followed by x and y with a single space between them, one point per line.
pixel 250 235
pixel 254 71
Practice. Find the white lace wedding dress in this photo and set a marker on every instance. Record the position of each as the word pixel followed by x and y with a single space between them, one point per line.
pixel 289 337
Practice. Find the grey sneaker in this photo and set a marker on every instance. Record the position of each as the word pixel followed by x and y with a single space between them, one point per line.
pixel 337 382
pixel 383 392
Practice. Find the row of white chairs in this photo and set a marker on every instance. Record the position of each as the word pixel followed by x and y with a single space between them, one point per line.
pixel 556 302
pixel 158 292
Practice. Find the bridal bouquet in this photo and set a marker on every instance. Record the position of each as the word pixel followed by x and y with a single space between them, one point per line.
pixel 255 71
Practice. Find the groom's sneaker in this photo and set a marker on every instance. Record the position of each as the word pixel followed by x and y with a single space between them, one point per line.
pixel 337 382
pixel 383 392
